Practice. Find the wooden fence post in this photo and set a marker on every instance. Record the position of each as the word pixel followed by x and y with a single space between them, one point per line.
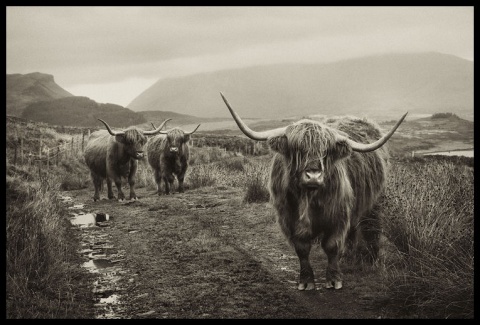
pixel 40 149
pixel 21 150
pixel 71 149
pixel 16 143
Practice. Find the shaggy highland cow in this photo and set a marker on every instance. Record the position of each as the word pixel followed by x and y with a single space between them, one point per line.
pixel 168 155
pixel 112 155
pixel 325 180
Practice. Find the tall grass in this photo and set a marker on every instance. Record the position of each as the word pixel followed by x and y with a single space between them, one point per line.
pixel 428 211
pixel 44 279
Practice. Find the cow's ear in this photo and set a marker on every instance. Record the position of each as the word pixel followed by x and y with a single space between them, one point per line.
pixel 120 138
pixel 278 144
pixel 341 149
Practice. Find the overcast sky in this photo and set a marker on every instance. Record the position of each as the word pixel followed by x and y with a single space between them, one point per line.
pixel 112 54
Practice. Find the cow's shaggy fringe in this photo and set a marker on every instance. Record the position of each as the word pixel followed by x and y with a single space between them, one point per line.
pixel 133 135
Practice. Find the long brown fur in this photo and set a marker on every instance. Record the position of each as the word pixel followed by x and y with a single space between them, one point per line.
pixel 166 164
pixel 353 182
pixel 112 158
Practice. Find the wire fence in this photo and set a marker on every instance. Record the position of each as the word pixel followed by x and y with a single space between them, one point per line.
pixel 43 154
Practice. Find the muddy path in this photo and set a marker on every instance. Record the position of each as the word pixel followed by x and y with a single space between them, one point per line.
pixel 206 254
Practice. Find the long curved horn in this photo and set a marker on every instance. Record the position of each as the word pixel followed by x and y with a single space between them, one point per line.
pixel 110 130
pixel 188 133
pixel 363 147
pixel 259 136
pixel 156 130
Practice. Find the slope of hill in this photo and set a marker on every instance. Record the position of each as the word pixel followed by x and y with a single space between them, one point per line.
pixel 157 117
pixel 81 112
pixel 24 89
pixel 383 85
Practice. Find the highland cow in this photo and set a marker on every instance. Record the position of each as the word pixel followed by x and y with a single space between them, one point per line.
pixel 168 155
pixel 325 182
pixel 112 155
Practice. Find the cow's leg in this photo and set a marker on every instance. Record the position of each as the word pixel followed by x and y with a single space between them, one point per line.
pixel 118 183
pixel 306 279
pixel 351 244
pixel 180 178
pixel 109 189
pixel 168 179
pixel 332 245
pixel 158 180
pixel 97 184
pixel 371 229
pixel 131 179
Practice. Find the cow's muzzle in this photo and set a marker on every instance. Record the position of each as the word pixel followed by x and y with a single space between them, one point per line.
pixel 173 149
pixel 312 179
pixel 139 155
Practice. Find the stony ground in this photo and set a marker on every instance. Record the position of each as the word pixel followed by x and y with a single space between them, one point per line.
pixel 206 254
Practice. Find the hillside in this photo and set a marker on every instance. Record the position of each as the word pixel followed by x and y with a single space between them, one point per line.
pixel 24 89
pixel 158 117
pixel 378 86
pixel 81 112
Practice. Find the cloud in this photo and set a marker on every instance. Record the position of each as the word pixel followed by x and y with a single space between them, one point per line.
pixel 111 45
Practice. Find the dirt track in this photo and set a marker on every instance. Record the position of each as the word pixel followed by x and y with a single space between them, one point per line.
pixel 206 254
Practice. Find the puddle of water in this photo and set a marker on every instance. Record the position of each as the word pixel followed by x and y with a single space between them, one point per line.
pixel 77 206
pixel 113 299
pixel 65 199
pixel 99 263
pixel 465 153
pixel 89 219
pixel 102 257
pixel 84 220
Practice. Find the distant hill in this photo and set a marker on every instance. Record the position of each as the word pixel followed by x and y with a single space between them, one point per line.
pixel 24 89
pixel 157 117
pixel 81 112
pixel 383 85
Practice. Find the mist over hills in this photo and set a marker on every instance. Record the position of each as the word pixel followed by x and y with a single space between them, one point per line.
pixel 382 85
pixel 25 89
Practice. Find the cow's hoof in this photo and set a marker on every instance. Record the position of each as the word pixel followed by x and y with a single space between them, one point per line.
pixel 336 284
pixel 306 286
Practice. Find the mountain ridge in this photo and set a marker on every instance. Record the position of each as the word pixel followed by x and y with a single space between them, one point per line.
pixel 388 84
pixel 25 89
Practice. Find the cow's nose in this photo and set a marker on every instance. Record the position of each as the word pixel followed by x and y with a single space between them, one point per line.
pixel 312 178
pixel 313 175
pixel 140 154
pixel 173 149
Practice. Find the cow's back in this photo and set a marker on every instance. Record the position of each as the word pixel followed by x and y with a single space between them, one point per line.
pixel 367 172
pixel 95 152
